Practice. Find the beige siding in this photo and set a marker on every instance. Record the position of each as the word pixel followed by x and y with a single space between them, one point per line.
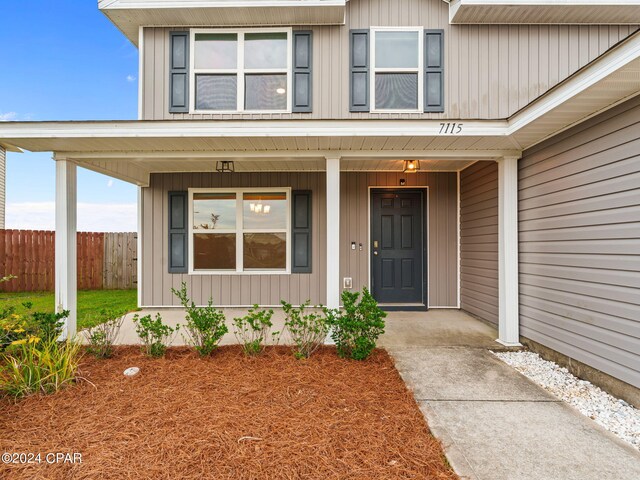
pixel 491 70
pixel 296 288
pixel 580 243
pixel 479 240
pixel 3 180
pixel 228 289
pixel 442 226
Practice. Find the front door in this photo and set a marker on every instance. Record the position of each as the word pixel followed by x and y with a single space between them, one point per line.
pixel 397 247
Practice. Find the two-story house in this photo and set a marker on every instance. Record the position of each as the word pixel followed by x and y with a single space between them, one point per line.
pixel 461 154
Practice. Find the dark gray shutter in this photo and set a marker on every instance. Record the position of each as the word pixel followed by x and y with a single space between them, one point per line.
pixel 302 71
pixel 179 72
pixel 301 231
pixel 434 70
pixel 178 244
pixel 359 73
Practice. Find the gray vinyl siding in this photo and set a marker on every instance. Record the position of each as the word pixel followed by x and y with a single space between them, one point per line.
pixel 3 180
pixel 491 71
pixel 442 227
pixel 479 240
pixel 296 288
pixel 579 217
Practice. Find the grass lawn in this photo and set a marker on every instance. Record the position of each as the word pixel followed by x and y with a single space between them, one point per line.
pixel 90 302
pixel 227 417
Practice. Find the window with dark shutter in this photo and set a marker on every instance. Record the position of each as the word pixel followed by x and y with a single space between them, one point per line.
pixel 302 71
pixel 301 231
pixel 179 72
pixel 359 71
pixel 178 243
pixel 434 71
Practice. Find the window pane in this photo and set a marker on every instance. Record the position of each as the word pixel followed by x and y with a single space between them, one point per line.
pixel 397 91
pixel 265 92
pixel 397 49
pixel 265 250
pixel 265 50
pixel 217 50
pixel 216 92
pixel 265 210
pixel 214 211
pixel 214 251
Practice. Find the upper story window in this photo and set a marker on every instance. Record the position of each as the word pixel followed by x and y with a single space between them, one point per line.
pixel 241 70
pixel 397 73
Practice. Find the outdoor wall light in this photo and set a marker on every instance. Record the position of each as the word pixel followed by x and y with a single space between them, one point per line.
pixel 225 166
pixel 411 166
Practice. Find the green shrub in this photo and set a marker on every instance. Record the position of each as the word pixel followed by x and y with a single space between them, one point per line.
pixel 356 328
pixel 103 336
pixel 252 330
pixel 154 335
pixel 46 325
pixel 41 325
pixel 205 325
pixel 35 366
pixel 308 331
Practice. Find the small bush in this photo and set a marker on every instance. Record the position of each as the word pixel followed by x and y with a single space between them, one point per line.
pixel 36 366
pixel 42 325
pixel 48 326
pixel 308 331
pixel 103 336
pixel 252 330
pixel 154 335
pixel 356 328
pixel 205 325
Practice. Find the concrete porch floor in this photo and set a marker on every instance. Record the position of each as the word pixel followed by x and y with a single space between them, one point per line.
pixel 494 423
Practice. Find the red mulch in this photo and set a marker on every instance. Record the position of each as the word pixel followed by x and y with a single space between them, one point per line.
pixel 227 416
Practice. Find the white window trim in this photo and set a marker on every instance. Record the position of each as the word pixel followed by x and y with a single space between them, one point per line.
pixel 419 69
pixel 240 71
pixel 239 231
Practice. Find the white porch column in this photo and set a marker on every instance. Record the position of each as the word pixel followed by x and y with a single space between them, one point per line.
pixel 66 260
pixel 509 320
pixel 333 232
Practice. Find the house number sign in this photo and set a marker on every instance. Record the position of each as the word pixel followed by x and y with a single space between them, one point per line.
pixel 450 128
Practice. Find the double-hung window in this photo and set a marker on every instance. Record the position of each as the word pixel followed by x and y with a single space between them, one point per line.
pixel 397 73
pixel 241 70
pixel 239 230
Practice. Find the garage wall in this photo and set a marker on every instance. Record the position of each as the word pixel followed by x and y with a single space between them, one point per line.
pixel 579 217
pixel 479 240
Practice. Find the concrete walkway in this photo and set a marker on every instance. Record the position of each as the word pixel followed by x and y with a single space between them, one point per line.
pixel 493 422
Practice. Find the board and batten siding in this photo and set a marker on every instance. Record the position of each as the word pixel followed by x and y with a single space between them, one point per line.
pixel 491 71
pixel 579 222
pixel 441 216
pixel 228 289
pixel 3 186
pixel 479 240
pixel 297 288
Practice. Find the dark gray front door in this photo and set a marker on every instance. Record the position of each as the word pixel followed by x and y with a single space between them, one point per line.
pixel 396 246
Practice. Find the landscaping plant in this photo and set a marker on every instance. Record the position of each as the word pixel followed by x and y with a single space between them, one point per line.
pixel 252 330
pixel 308 331
pixel 356 328
pixel 103 336
pixel 39 366
pixel 154 334
pixel 205 325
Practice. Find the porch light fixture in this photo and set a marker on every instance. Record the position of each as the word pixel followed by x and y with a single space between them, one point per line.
pixel 225 166
pixel 411 166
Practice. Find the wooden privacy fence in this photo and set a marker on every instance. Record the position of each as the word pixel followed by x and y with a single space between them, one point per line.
pixel 105 260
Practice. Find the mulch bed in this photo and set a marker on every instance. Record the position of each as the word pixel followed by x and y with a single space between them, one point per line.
pixel 227 417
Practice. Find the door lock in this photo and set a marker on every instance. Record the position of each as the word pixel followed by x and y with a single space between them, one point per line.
pixel 375 244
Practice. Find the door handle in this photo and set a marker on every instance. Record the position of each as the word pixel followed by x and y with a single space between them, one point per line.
pixel 375 252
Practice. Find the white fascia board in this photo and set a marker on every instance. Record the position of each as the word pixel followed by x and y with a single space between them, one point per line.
pixel 184 4
pixel 246 128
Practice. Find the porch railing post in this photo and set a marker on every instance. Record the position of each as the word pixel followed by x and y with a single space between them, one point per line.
pixel 333 232
pixel 509 319
pixel 65 244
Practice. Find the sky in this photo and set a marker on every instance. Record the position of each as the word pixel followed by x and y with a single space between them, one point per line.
pixel 64 63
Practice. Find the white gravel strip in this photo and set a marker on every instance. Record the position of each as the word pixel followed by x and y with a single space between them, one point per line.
pixel 614 414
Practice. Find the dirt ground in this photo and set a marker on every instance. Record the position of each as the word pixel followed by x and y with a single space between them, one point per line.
pixel 225 417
